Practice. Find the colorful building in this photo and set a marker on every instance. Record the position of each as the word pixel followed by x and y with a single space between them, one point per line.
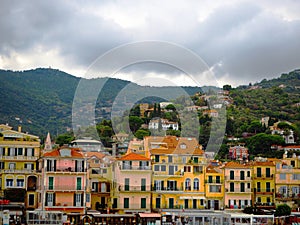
pixel 19 153
pixel 132 184
pixel 214 186
pixel 178 172
pixel 287 180
pixel 263 184
pixel 64 178
pixel 100 180
pixel 238 185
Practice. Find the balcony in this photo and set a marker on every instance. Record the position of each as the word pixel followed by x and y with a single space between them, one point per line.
pixel 167 189
pixel 214 181
pixel 140 168
pixel 237 178
pixel 263 176
pixel 19 157
pixel 64 205
pixel 261 191
pixel 134 188
pixel 63 188
pixel 287 196
pixel 65 170
pixel 23 171
pixel 238 190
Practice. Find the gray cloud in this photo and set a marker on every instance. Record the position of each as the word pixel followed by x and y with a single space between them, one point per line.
pixel 243 41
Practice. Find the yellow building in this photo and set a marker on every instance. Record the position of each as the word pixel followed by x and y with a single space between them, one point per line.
pixel 214 186
pixel 263 181
pixel 100 180
pixel 18 155
pixel 287 179
pixel 178 172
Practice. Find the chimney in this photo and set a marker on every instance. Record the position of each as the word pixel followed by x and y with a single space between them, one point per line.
pixel 19 128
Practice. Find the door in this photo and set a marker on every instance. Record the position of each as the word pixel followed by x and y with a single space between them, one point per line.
pixel 171 203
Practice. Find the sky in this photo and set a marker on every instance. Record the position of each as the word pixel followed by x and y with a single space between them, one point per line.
pixel 239 41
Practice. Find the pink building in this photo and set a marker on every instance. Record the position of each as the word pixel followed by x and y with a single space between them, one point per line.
pixel 63 183
pixel 238 185
pixel 133 183
pixel 238 153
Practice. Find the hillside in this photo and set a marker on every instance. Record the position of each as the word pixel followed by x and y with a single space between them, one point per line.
pixel 41 99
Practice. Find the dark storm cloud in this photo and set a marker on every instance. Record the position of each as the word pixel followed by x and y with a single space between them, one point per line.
pixel 243 42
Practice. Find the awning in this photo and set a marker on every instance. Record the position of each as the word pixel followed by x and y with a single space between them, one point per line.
pixel 149 215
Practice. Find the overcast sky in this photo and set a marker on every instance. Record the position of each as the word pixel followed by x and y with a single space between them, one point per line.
pixel 240 41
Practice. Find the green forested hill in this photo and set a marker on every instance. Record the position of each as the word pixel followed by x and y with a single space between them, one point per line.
pixel 41 99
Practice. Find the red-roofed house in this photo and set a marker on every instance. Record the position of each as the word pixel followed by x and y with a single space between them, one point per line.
pixel 133 183
pixel 63 184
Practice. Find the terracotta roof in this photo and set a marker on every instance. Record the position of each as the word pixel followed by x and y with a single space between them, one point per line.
pixel 75 152
pixel 233 164
pixel 212 169
pixel 134 157
pixel 175 145
pixel 268 163
pixel 99 155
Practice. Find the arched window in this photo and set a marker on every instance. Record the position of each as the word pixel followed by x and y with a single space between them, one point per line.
pixel 196 184
pixel 188 184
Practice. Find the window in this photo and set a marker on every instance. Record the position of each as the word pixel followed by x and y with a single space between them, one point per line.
pixel 29 166
pixel 115 203
pixel 143 203
pixel 258 187
pixel 1 165
pixel 268 187
pixel 9 182
pixel 186 203
pixel 196 184
pixel 126 203
pixel 157 158
pixel 156 167
pixel 242 187
pixel 210 179
pixel 188 184
pixel 50 183
pixel 50 199
pixel 194 203
pixel 195 159
pixel 215 188
pixel 231 175
pixel 1 151
pixel 171 203
pixel 12 166
pixel 172 185
pixel 103 187
pixel 20 182
pixel 31 199
pixel 20 151
pixel 157 203
pixel 28 152
pixel 78 186
pixel 248 185
pixel 282 176
pixel 248 173
pixel 187 169
pixel 172 170
pixel 126 184
pixel 183 159
pixel 258 199
pixel 170 159
pixel 268 172
pixel 242 175
pixel 218 179
pixel 293 163
pixel 163 168
pixel 231 187
pixel 143 184
pixel 78 199
pixel 158 185
pixel 94 186
pixel 88 197
pixel 258 172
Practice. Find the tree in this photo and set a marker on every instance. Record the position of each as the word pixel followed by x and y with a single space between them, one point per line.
pixel 283 210
pixel 261 143
pixel 227 87
pixel 141 133
pixel 170 107
pixel 63 139
pixel 135 123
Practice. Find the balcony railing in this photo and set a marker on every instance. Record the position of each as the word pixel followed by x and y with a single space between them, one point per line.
pixel 19 157
pixel 238 190
pixel 65 170
pixel 64 188
pixel 237 178
pixel 167 189
pixel 135 188
pixel 287 196
pixel 23 171
pixel 214 181
pixel 65 205
pixel 128 167
pixel 262 191
pixel 263 176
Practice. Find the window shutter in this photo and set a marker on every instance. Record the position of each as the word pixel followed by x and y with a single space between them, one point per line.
pixel 46 202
